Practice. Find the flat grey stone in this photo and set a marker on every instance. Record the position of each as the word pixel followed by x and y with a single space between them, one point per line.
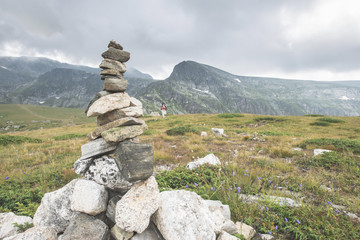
pixel 115 84
pixel 96 148
pixel 116 54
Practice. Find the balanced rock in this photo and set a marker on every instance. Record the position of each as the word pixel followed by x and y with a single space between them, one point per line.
pixel 105 171
pixel 36 233
pixel 184 215
pixel 111 72
pixel 88 197
pixel 87 227
pixel 96 148
pixel 122 133
pixel 115 84
pixel 96 97
pixel 135 102
pixel 7 220
pixel 112 64
pixel 54 210
pixel 114 44
pixel 109 103
pixel 126 121
pixel 116 54
pixel 119 113
pixel 135 160
pixel 135 208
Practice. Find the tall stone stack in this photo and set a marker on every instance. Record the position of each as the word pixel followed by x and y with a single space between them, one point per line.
pixel 114 157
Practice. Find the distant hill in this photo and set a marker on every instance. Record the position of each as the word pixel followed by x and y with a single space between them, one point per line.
pixel 191 88
pixel 43 81
pixel 198 88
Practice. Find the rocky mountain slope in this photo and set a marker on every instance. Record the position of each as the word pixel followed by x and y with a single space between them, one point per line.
pixel 191 88
pixel 42 81
pixel 199 88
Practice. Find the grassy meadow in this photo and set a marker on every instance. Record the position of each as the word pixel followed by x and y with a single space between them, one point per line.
pixel 260 156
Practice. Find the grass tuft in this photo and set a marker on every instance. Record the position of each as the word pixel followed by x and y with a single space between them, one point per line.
pixel 7 140
pixel 181 131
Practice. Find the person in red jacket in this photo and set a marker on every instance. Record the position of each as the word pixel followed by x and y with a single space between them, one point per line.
pixel 163 109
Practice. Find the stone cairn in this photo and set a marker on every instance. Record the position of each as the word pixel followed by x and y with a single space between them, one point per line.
pixel 117 196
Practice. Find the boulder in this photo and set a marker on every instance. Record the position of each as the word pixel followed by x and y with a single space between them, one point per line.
pixel 223 224
pixel 119 134
pixel 209 159
pixel 96 148
pixel 119 234
pixel 150 233
pixel 109 103
pixel 105 171
pixel 96 97
pixel 184 215
pixel 126 121
pixel 114 44
pixel 265 237
pixel 36 233
pixel 135 160
pixel 112 64
pixel 247 231
pixel 203 134
pixel 218 131
pixel 115 84
pixel 111 72
pixel 116 54
pixel 87 227
pixel 134 111
pixel 320 151
pixel 7 221
pixel 226 236
pixel 111 208
pixel 216 205
pixel 135 208
pixel 54 210
pixel 88 197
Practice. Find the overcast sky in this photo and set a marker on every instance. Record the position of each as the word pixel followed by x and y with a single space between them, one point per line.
pixel 299 39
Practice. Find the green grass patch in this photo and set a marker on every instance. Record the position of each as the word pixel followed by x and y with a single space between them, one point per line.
pixel 330 120
pixel 230 115
pixel 344 145
pixel 269 119
pixel 321 124
pixel 182 130
pixel 270 133
pixel 7 139
pixel 69 136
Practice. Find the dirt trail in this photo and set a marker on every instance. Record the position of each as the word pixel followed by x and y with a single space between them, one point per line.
pixel 23 107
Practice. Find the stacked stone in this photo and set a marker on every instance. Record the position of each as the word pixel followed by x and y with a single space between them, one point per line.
pixel 113 157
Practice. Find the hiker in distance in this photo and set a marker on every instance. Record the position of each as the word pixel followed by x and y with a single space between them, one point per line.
pixel 163 109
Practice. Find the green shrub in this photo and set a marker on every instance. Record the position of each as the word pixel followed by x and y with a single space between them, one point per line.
pixel 325 160
pixel 336 144
pixel 68 136
pixel 181 131
pixel 322 124
pixel 330 120
pixel 23 227
pixel 7 139
pixel 269 119
pixel 230 115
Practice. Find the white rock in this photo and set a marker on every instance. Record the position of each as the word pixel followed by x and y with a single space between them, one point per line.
pixel 36 233
pixel 215 205
pixel 203 134
pixel 135 208
pixel 247 231
pixel 320 151
pixel 266 237
pixel 325 188
pixel 297 149
pixel 89 197
pixel 7 221
pixel 218 131
pixel 54 210
pixel 109 103
pixel 209 159
pixel 120 234
pixel 226 236
pixel 184 215
pixel 223 224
